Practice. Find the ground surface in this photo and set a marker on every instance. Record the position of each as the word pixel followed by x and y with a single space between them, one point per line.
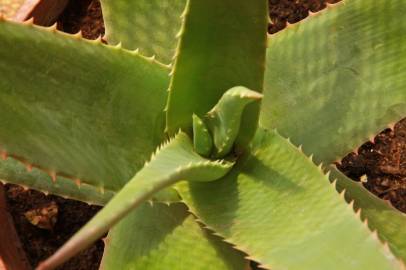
pixel 382 164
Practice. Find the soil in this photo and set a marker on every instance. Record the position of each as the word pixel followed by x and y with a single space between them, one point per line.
pixel 40 243
pixel 382 163
pixel 82 15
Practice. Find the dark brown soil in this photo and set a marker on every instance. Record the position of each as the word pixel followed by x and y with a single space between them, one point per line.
pixel 41 243
pixel 291 11
pixel 383 162
pixel 85 16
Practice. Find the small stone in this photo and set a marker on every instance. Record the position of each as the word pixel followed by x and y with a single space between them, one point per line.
pixel 44 217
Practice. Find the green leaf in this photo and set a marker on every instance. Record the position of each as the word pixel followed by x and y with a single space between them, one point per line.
pixel 380 215
pixel 15 172
pixel 338 78
pixel 222 45
pixel 173 162
pixel 202 141
pixel 150 25
pixel 279 208
pixel 78 108
pixel 224 119
pixel 166 237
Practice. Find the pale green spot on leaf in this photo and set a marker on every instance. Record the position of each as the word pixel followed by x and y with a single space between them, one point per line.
pixel 202 141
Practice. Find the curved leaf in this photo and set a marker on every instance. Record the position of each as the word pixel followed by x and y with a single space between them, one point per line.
pixel 15 172
pixel 389 222
pixel 279 208
pixel 166 237
pixel 150 25
pixel 78 108
pixel 173 162
pixel 222 45
pixel 202 141
pixel 224 120
pixel 337 78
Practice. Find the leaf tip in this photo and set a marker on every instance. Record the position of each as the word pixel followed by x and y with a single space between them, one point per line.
pixel 52 174
pixel 4 155
pixel 78 182
pixel 78 35
pixel 53 28
pixel 118 46
pixel 29 22
pixel 28 167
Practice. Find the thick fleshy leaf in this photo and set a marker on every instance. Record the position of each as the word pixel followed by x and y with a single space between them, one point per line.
pixel 337 78
pixel 279 208
pixel 224 120
pixel 166 237
pixel 150 25
pixel 173 162
pixel 389 222
pixel 202 140
pixel 222 45
pixel 78 108
pixel 15 172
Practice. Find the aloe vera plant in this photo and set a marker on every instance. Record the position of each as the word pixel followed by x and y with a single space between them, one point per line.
pixel 224 185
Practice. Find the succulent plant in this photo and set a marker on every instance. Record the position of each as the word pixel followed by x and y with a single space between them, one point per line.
pixel 224 185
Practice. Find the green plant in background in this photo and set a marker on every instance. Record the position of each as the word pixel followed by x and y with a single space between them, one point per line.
pixel 80 119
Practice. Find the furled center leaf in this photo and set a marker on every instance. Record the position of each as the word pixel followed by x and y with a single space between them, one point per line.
pixel 171 163
pixel 222 45
pixel 223 122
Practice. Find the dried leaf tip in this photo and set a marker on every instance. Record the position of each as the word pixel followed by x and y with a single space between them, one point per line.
pixel 29 22
pixel 355 151
pixel 53 28
pixel 333 5
pixel 371 138
pixel 351 205
pixel 4 155
pixel 358 213
pixel 28 167
pixel 99 39
pixel 78 182
pixel 78 35
pixel 53 176
pixel 342 194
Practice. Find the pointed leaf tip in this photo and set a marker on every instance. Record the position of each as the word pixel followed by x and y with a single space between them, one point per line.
pixel 174 161
pixel 224 119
